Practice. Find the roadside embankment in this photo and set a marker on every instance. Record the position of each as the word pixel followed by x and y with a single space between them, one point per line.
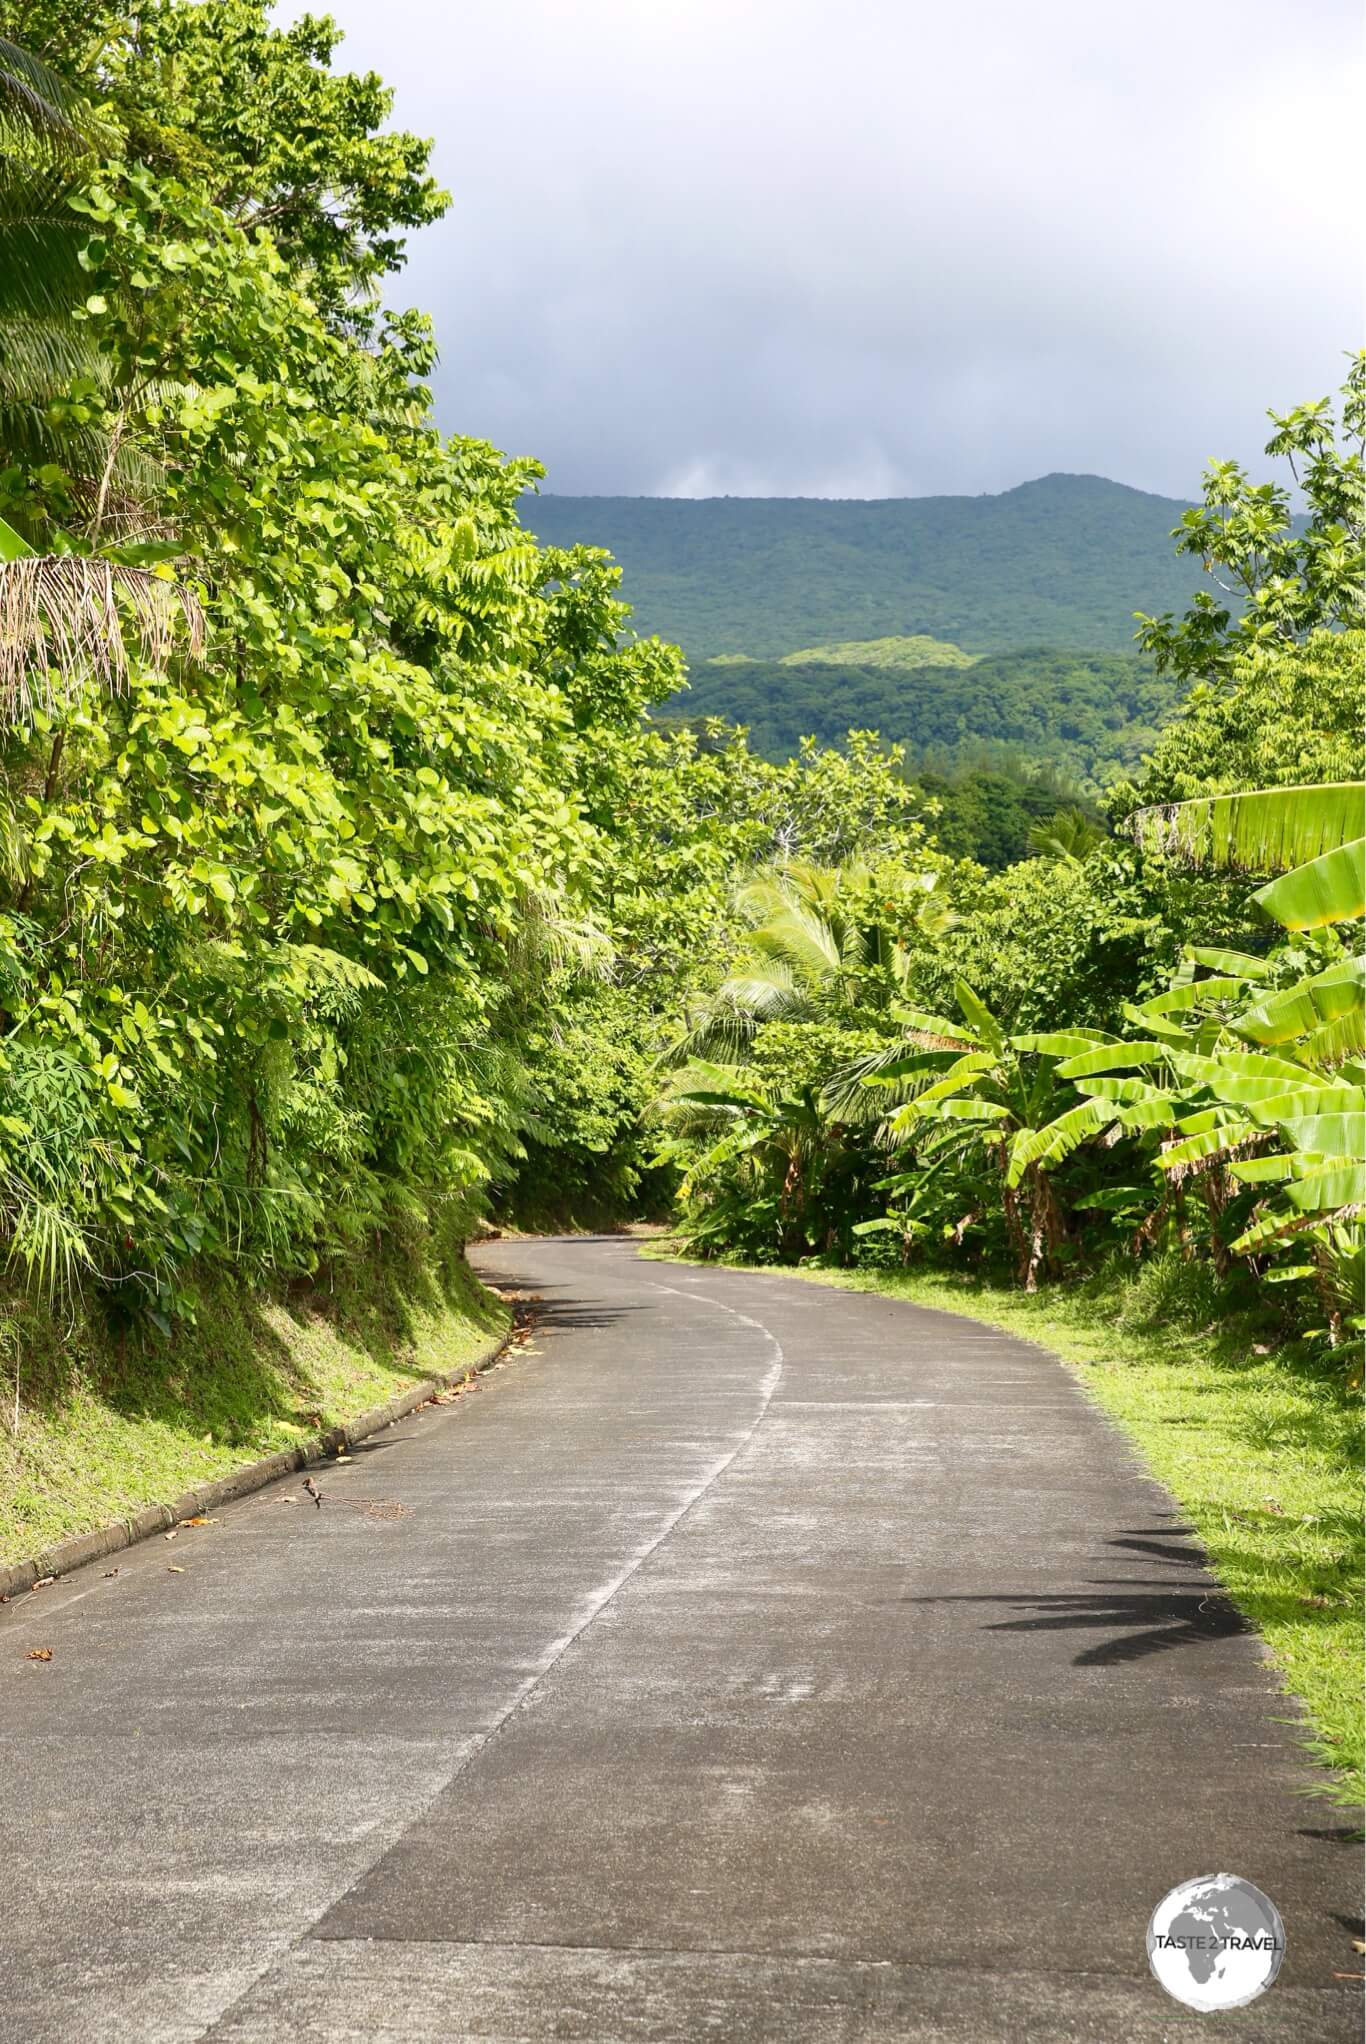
pixel 112 1436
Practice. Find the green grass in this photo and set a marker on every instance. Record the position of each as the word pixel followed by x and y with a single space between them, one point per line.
pixel 106 1426
pixel 1260 1448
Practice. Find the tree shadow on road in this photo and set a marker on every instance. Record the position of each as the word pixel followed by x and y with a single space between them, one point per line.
pixel 1143 1616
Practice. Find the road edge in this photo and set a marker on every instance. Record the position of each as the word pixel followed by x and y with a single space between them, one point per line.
pixel 78 1549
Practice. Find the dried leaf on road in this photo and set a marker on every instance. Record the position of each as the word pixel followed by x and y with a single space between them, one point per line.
pixel 39 1654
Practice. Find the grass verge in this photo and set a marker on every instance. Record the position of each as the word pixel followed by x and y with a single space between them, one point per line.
pixel 1259 1447
pixel 102 1426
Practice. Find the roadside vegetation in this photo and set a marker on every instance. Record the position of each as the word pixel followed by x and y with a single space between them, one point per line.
pixel 107 1424
pixel 352 892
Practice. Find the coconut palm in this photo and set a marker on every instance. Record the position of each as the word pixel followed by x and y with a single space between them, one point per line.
pixel 824 948
pixel 68 614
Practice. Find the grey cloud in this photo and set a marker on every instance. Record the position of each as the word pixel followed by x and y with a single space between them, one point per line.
pixel 799 247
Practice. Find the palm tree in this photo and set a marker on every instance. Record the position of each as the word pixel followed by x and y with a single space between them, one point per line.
pixel 67 612
pixel 823 945
pixel 47 137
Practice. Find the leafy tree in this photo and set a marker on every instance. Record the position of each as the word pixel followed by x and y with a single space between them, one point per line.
pixel 1279 576
pixel 253 117
pixel 1288 715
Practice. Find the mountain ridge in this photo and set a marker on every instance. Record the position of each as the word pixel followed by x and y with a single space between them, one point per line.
pixel 1062 560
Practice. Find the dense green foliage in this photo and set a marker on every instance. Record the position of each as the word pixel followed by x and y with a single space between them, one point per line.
pixel 1000 814
pixel 344 886
pixel 1093 715
pixel 348 884
pixel 310 758
pixel 1063 562
pixel 1170 1051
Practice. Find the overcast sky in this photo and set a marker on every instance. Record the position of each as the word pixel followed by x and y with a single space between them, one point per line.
pixel 879 247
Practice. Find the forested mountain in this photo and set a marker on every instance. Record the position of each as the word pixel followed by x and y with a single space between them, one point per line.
pixel 1064 561
pixel 1092 714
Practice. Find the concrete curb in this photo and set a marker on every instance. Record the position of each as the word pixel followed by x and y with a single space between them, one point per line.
pixel 82 1548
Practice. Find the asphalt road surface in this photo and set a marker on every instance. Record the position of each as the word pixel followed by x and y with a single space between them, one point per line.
pixel 751 1661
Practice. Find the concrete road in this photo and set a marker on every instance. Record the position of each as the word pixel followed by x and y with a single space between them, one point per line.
pixel 754 1661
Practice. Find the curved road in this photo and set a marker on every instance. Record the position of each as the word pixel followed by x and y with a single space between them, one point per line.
pixel 750 1661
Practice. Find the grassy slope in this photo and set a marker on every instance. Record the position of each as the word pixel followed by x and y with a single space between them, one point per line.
pixel 1263 1456
pixel 902 654
pixel 106 1427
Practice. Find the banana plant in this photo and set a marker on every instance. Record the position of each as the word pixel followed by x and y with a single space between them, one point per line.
pixel 975 1092
pixel 1257 1089
pixel 757 1159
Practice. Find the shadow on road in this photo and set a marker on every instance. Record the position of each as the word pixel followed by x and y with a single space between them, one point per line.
pixel 1142 1619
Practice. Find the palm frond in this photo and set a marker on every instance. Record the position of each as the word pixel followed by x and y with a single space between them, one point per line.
pixel 63 620
pixel 40 114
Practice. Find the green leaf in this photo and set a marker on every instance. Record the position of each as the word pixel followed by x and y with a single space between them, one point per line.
pixel 1324 1191
pixel 1305 1100
pixel 1196 1148
pixel 1329 889
pixel 1180 1000
pixel 1237 964
pixel 1126 1090
pixel 1329 1135
pixel 916 1021
pixel 1298 1011
pixel 1062 1042
pixel 1115 1058
pixel 13 547
pixel 1262 1170
pixel 1265 830
pixel 979 1015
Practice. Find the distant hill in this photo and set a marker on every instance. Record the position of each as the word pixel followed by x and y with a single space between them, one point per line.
pixel 1091 715
pixel 1064 562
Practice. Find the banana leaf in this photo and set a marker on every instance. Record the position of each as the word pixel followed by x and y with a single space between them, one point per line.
pixel 1329 1135
pixel 1328 1189
pixel 1300 1009
pixel 1329 889
pixel 1062 1042
pixel 1264 830
pixel 1114 1057
pixel 1241 964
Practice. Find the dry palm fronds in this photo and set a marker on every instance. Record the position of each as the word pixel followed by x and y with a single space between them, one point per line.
pixel 66 619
